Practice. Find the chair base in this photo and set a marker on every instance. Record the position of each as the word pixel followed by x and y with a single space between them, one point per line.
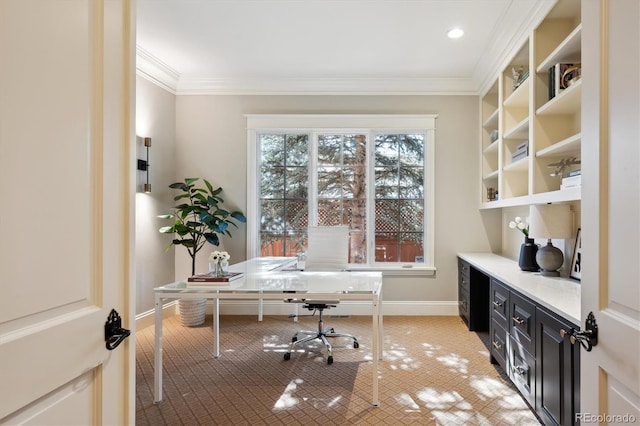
pixel 321 334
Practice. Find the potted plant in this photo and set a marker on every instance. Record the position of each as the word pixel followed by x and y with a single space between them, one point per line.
pixel 198 218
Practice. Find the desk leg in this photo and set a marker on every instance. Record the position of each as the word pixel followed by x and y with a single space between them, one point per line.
pixel 216 327
pixel 376 349
pixel 157 368
pixel 380 327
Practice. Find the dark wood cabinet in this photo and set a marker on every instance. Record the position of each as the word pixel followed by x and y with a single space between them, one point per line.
pixel 526 341
pixel 557 371
pixel 473 297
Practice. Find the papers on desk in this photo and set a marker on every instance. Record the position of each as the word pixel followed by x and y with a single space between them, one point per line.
pixel 209 279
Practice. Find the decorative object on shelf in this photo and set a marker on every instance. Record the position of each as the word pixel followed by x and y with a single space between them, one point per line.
pixel 143 165
pixel 522 151
pixel 528 250
pixel 562 165
pixel 559 77
pixel 494 136
pixel 550 221
pixel 219 263
pixel 492 194
pixel 519 76
pixel 576 266
pixel 571 75
pixel 197 220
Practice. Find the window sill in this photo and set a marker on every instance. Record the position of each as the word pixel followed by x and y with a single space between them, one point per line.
pixel 398 271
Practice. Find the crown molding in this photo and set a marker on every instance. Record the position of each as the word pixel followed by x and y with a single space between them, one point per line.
pixel 156 71
pixel 325 86
pixel 499 53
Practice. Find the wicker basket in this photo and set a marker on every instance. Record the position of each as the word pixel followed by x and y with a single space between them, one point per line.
pixel 192 311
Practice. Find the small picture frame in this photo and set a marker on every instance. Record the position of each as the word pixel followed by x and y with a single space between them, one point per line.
pixel 576 261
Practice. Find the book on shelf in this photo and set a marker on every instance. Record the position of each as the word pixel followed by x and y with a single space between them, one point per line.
pixel 210 277
pixel 572 173
pixel 571 182
pixel 559 76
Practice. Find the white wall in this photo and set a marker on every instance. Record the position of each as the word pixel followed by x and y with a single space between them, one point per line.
pixel 155 118
pixel 211 142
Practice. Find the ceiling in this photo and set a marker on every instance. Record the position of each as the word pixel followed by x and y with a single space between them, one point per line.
pixel 329 46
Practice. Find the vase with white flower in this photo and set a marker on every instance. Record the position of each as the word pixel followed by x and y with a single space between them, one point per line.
pixel 219 263
pixel 529 248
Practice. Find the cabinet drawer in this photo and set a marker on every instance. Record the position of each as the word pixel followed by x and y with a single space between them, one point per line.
pixel 522 320
pixel 499 339
pixel 523 371
pixel 464 274
pixel 463 267
pixel 463 304
pixel 500 303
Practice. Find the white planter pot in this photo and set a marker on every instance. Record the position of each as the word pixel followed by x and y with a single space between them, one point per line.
pixel 192 311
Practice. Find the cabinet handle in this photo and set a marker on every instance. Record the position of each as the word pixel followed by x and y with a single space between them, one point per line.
pixel 463 281
pixel 497 345
pixel 520 370
pixel 518 320
pixel 497 304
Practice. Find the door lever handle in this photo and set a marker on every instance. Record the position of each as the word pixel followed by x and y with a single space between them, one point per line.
pixel 114 334
pixel 588 337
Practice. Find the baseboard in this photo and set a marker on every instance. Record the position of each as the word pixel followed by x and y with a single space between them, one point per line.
pixel 145 319
pixel 273 307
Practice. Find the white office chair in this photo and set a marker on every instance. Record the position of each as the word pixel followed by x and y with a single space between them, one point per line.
pixel 327 250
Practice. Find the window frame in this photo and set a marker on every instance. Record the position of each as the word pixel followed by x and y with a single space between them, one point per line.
pixel 371 125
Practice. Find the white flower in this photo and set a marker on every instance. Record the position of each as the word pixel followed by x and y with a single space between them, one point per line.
pixel 522 226
pixel 218 256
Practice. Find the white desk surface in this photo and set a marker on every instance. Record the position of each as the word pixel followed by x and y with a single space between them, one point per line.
pixel 276 278
pixel 558 294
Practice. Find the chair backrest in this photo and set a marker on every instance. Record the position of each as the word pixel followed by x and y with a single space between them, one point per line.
pixel 327 248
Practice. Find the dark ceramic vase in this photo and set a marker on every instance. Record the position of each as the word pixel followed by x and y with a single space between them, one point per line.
pixel 527 261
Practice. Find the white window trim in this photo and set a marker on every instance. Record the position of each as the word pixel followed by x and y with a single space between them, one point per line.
pixel 371 124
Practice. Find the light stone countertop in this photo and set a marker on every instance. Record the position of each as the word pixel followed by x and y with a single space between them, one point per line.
pixel 558 294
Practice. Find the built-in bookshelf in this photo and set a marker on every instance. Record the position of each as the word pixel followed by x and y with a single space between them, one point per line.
pixel 534 104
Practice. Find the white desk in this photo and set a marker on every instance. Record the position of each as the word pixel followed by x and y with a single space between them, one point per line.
pixel 277 285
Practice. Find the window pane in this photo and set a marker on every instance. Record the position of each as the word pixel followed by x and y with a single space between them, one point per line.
pixel 411 215
pixel 297 150
pixel 387 182
pixel 386 247
pixel 329 182
pixel 296 182
pixel 386 152
pixel 411 182
pixel 330 213
pixel 355 150
pixel 297 215
pixel 271 149
pixel 283 193
pixel 272 182
pixel 411 246
pixel 411 149
pixel 329 149
pixel 354 183
pixel 399 205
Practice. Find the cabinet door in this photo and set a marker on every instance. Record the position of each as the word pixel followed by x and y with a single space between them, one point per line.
pixel 522 321
pixel 522 370
pixel 557 371
pixel 500 303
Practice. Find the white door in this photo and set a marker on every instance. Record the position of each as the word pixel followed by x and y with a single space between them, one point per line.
pixel 66 71
pixel 610 373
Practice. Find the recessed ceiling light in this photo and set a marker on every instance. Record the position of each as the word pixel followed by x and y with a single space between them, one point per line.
pixel 455 33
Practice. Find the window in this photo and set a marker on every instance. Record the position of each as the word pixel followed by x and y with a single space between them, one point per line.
pixel 332 170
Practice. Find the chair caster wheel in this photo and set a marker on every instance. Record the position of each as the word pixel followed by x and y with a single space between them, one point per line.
pixel 356 345
pixel 332 331
pixel 287 356
pixel 294 339
pixel 330 360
